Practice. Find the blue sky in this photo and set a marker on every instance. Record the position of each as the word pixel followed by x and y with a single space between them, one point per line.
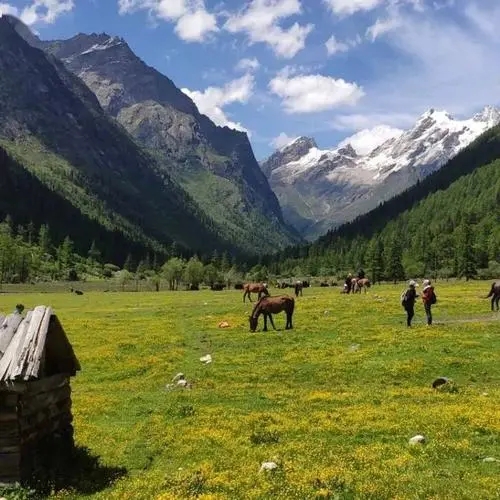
pixel 278 69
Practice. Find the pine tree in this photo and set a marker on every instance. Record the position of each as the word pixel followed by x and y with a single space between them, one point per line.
pixel 394 265
pixel 466 263
pixel 376 260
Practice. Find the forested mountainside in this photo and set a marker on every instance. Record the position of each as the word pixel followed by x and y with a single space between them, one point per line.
pixel 322 189
pixel 52 125
pixel 446 225
pixel 215 165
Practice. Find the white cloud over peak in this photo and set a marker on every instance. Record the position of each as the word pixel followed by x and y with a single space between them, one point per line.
pixel 281 141
pixel 39 11
pixel 247 64
pixel 437 59
pixel 314 93
pixel 366 140
pixel 6 9
pixel 212 100
pixel 259 20
pixel 193 23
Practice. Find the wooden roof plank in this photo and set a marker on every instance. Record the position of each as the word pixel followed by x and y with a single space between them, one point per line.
pixel 8 328
pixel 29 342
pixel 34 361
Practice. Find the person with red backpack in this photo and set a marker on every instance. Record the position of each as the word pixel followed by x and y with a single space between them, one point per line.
pixel 429 299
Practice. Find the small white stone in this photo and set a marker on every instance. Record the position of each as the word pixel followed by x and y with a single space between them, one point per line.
pixel 183 382
pixel 418 439
pixel 268 466
pixel 490 459
pixel 206 359
pixel 179 376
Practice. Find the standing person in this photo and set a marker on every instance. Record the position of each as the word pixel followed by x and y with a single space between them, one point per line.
pixel 408 298
pixel 348 282
pixel 361 274
pixel 428 298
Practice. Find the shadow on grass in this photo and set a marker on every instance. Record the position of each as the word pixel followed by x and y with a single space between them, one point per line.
pixel 69 468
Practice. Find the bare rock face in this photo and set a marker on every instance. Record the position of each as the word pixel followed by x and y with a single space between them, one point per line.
pixel 216 165
pixel 321 189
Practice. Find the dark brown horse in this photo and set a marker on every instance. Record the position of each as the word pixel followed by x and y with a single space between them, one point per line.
pixel 495 295
pixel 258 288
pixel 298 288
pixel 269 306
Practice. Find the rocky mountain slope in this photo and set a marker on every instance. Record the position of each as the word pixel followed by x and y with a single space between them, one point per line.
pixel 215 165
pixel 321 189
pixel 55 128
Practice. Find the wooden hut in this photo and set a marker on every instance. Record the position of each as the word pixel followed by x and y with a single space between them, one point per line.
pixel 36 363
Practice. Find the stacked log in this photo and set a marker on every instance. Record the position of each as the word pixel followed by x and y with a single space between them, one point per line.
pixel 31 412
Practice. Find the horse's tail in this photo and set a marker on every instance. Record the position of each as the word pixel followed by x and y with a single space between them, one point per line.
pixel 292 305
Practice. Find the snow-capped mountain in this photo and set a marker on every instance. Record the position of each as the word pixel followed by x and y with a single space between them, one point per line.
pixel 320 189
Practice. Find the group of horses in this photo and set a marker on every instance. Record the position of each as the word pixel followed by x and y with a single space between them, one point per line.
pixel 356 285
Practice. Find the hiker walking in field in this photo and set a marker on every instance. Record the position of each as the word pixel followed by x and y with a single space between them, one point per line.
pixel 408 298
pixel 428 298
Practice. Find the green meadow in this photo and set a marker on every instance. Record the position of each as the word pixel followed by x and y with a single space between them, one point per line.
pixel 332 402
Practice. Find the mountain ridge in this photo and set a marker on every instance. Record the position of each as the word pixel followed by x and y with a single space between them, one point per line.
pixel 322 189
pixel 54 126
pixel 210 162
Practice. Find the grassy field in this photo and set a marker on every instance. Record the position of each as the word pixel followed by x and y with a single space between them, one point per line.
pixel 333 402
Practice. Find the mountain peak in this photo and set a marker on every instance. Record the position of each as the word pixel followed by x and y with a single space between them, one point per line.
pixel 22 30
pixel 301 143
pixel 489 114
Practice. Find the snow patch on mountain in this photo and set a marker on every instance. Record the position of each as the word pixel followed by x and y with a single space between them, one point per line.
pixel 327 187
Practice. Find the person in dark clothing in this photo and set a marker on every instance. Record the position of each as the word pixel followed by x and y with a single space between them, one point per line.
pixel 408 301
pixel 348 282
pixel 361 274
pixel 428 298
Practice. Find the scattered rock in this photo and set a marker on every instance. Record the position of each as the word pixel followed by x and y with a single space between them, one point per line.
pixel 206 359
pixel 179 376
pixel 268 466
pixel 440 381
pixel 326 313
pixel 418 439
pixel 223 324
pixel 354 347
pixel 490 459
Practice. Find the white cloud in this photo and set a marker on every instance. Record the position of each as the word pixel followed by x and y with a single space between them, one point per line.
pixel 248 65
pixel 439 60
pixel 193 23
pixel 349 7
pixel 365 141
pixel 212 100
pixel 281 141
pixel 370 119
pixel 6 9
pixel 259 21
pixel 382 26
pixel 39 11
pixel 333 46
pixel 313 93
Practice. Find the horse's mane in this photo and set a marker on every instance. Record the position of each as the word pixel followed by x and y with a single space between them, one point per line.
pixel 254 310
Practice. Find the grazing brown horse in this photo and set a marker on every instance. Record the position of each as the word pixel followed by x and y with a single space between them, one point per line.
pixel 258 288
pixel 269 306
pixel 495 295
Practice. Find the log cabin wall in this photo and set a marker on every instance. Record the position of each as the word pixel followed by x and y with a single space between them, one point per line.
pixel 36 421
